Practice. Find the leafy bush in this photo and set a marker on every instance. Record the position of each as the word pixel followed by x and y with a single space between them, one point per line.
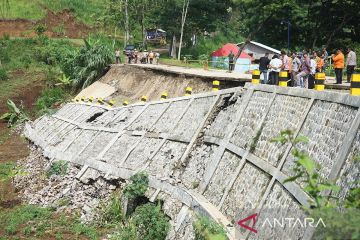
pixel 206 229
pixel 40 29
pixel 3 74
pixel 57 168
pixel 151 223
pixel 48 98
pixel 15 115
pixel 87 65
pixel 138 187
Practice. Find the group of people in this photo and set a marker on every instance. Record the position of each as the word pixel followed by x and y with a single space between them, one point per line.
pixel 302 67
pixel 138 57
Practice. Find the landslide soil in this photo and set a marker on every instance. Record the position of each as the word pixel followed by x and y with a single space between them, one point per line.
pixel 64 20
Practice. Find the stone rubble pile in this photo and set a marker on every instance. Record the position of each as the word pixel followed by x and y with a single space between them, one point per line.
pixel 65 193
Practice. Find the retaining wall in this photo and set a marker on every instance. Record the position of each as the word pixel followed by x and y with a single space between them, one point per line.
pixel 211 153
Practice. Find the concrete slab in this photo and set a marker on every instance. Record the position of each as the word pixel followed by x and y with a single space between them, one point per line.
pixel 97 90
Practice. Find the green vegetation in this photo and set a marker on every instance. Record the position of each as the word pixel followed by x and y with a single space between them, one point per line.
pixel 342 217
pixel 3 74
pixel 15 115
pixel 29 222
pixel 58 168
pixel 111 213
pixel 49 99
pixel 138 187
pixel 89 64
pixel 151 223
pixel 206 229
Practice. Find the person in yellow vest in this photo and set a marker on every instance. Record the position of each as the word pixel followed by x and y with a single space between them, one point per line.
pixel 338 60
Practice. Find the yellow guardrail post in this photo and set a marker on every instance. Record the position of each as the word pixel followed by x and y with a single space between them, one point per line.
pixel 283 78
pixel 100 101
pixel 91 99
pixel 111 103
pixel 164 96
pixel 143 98
pixel 319 81
pixel 355 84
pixel 188 91
pixel 255 77
pixel 215 85
pixel 125 103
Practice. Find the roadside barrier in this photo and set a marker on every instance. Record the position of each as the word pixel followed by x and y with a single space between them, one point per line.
pixel 111 103
pixel 355 84
pixel 215 85
pixel 164 96
pixel 125 103
pixel 255 77
pixel 188 91
pixel 283 78
pixel 319 81
pixel 100 101
pixel 143 98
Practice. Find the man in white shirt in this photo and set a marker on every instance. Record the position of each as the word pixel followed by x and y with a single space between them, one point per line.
pixel 275 66
pixel 350 63
pixel 311 78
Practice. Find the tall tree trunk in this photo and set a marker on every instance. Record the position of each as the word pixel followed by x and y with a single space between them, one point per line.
pixel 183 19
pixel 126 39
pixel 142 23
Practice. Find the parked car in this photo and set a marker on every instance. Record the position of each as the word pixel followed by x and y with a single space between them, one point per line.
pixel 128 49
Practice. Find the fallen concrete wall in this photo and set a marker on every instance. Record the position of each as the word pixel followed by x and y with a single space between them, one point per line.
pixel 211 152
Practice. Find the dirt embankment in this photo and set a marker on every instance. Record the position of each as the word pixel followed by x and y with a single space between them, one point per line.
pixel 62 24
pixel 12 146
pixel 132 82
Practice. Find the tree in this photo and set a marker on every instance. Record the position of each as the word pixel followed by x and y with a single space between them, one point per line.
pixel 183 19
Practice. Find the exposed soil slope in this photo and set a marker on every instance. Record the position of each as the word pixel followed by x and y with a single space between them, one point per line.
pixel 133 82
pixel 62 24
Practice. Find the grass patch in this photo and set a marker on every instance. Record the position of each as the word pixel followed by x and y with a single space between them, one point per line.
pixel 32 222
pixel 25 9
pixel 206 229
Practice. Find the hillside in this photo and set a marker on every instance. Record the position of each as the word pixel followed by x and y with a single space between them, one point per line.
pixel 63 18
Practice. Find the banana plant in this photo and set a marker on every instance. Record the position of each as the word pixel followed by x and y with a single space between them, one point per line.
pixel 15 114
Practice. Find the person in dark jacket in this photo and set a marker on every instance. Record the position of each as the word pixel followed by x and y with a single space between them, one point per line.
pixel 263 67
pixel 231 61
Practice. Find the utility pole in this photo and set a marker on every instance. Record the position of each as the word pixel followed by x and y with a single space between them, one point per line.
pixel 288 32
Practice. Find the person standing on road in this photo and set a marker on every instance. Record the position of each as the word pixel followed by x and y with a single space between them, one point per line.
pixel 350 63
pixel 263 67
pixel 311 78
pixel 275 67
pixel 151 57
pixel 338 60
pixel 326 58
pixel 231 61
pixel 295 68
pixel 302 77
pixel 157 57
pixel 117 56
